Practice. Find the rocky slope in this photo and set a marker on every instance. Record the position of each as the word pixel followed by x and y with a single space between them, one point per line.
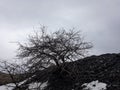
pixel 105 68
pixel 71 76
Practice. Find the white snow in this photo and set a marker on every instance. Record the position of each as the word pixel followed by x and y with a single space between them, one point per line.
pixel 7 87
pixel 22 82
pixel 44 85
pixel 95 85
pixel 34 86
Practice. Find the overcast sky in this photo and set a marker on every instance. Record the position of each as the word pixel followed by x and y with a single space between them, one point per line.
pixel 99 21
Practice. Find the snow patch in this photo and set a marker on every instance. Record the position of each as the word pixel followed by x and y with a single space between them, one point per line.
pixel 7 87
pixel 95 85
pixel 44 85
pixel 22 82
pixel 35 86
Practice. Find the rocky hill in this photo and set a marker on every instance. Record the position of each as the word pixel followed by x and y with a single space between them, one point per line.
pixel 105 68
pixel 72 75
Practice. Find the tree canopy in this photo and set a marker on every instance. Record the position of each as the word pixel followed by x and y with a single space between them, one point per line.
pixel 44 49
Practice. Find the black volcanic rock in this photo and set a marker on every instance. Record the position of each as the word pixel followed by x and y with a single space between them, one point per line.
pixel 71 75
pixel 105 68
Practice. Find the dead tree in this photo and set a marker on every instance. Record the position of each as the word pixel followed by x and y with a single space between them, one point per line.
pixel 45 49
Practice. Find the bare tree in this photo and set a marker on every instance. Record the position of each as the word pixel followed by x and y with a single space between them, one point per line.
pixel 12 72
pixel 44 49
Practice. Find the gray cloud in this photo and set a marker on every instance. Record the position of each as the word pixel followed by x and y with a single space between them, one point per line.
pixel 98 20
